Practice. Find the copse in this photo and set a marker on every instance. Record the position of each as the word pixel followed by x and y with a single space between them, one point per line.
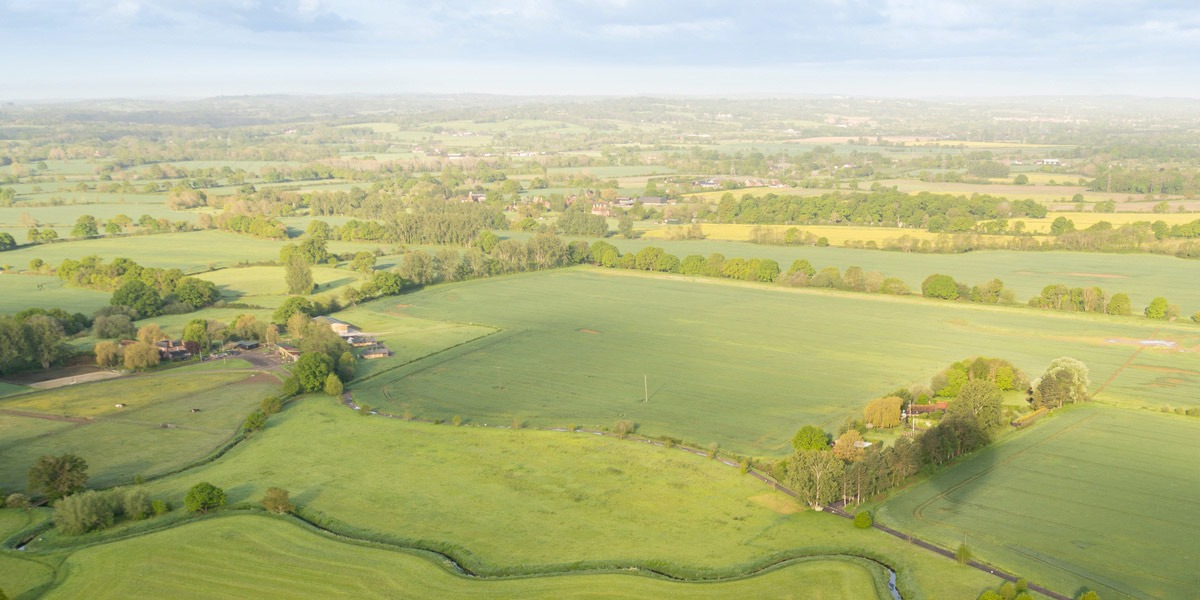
pixel 884 412
pixel 1065 381
pixel 58 476
pixel 939 286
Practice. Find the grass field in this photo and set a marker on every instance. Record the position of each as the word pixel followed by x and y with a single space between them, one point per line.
pixel 576 345
pixel 266 286
pixel 1095 497
pixel 119 443
pixel 539 500
pixel 275 559
pixel 1142 276
pixel 1087 219
pixel 18 292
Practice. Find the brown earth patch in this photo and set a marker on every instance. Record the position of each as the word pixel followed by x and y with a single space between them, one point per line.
pixel 592 331
pixel 778 503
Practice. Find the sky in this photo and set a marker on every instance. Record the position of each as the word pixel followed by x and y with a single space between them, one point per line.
pixel 63 49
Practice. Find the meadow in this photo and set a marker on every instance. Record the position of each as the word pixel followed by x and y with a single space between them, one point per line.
pixel 1095 497
pixel 267 286
pixel 739 365
pixel 275 559
pixel 504 502
pixel 121 443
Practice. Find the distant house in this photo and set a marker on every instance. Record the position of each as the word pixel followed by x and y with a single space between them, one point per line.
pixel 288 353
pixel 376 351
pixel 172 350
pixel 1054 162
pixel 476 197
pixel 361 341
pixel 601 209
pixel 247 345
pixel 920 409
pixel 652 200
pixel 341 328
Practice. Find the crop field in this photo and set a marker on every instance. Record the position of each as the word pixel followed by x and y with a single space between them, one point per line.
pixel 407 337
pixel 739 365
pixel 275 559
pixel 1142 276
pixel 1083 220
pixel 1095 497
pixel 84 419
pixel 541 501
pixel 18 292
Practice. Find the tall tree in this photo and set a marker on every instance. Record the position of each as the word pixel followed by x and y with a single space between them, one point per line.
pixel 298 275
pixel 815 475
pixel 57 476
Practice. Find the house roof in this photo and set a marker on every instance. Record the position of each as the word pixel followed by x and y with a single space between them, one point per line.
pixel 329 320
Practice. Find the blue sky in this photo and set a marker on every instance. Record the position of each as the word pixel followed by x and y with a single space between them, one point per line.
pixel 174 48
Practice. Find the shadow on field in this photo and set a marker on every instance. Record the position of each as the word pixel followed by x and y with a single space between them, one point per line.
pixel 958 492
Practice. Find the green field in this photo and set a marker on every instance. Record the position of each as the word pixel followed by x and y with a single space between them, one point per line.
pixel 1095 497
pixel 740 365
pixel 120 443
pixel 541 501
pixel 266 286
pixel 1142 276
pixel 18 292
pixel 274 559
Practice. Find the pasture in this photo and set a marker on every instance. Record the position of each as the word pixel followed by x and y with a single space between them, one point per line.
pixel 276 559
pixel 84 419
pixel 266 286
pixel 1142 276
pixel 736 364
pixel 20 291
pixel 523 502
pixel 1094 497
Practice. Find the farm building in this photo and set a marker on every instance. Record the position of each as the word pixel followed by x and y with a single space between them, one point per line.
pixel 376 351
pixel 172 350
pixel 289 353
pixel 920 409
pixel 339 327
pixel 360 341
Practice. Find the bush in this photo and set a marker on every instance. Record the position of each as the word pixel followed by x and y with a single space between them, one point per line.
pixel 624 427
pixel 204 497
pixel 271 405
pixel 17 501
pixel 863 520
pixel 160 507
pixel 962 554
pixel 255 421
pixel 456 420
pixel 277 501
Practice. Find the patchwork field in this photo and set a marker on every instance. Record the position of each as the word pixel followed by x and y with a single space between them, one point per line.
pixel 739 365
pixel 121 443
pixel 1095 497
pixel 275 559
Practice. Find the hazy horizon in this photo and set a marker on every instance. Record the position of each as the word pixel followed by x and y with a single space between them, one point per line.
pixel 881 48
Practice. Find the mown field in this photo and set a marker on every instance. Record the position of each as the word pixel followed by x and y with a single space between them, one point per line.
pixel 267 286
pixel 739 365
pixel 1095 497
pixel 121 443
pixel 530 501
pixel 1142 276
pixel 275 559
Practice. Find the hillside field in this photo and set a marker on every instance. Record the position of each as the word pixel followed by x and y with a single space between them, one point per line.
pixel 737 364
pixel 275 559
pixel 541 501
pixel 1096 497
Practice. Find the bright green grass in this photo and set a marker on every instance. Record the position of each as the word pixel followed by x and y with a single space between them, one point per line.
pixel 1095 497
pixel 529 501
pixel 1142 276
pixel 257 557
pixel 19 574
pixel 18 292
pixel 740 365
pixel 122 443
pixel 266 286
pixel 8 389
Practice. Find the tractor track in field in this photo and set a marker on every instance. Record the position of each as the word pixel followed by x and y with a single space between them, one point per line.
pixel 1124 365
pixel 835 509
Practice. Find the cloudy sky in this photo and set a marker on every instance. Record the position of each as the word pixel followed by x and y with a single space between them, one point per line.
pixel 197 48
